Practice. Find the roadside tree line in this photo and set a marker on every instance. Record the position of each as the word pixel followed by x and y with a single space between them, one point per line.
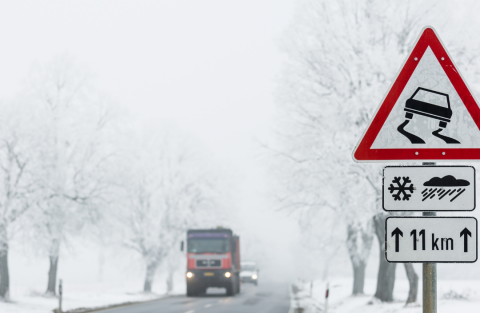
pixel 71 164
pixel 341 59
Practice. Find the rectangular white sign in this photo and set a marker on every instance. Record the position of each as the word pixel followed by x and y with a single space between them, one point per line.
pixel 431 239
pixel 428 188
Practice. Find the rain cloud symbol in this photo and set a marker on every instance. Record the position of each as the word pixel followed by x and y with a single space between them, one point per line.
pixel 447 186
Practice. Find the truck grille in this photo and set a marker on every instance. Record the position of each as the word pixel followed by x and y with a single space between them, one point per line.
pixel 209 263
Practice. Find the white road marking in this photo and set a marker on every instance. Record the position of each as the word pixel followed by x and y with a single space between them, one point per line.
pixel 191 311
pixel 208 305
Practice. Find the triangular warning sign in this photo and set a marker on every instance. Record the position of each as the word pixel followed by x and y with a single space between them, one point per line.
pixel 428 114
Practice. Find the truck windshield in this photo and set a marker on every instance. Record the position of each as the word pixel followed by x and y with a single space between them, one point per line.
pixel 210 245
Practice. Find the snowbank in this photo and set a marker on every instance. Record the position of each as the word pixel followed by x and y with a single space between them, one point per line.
pixel 453 295
pixel 85 295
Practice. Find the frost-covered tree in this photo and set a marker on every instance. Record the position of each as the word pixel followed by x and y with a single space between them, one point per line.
pixel 165 189
pixel 174 258
pixel 341 59
pixel 72 124
pixel 326 199
pixel 17 184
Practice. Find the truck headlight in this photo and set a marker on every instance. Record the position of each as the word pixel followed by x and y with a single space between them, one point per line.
pixel 189 274
pixel 254 276
pixel 228 274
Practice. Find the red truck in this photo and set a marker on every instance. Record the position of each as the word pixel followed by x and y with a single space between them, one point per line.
pixel 213 260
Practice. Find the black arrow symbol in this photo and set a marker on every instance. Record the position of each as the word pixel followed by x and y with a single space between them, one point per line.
pixel 396 232
pixel 465 233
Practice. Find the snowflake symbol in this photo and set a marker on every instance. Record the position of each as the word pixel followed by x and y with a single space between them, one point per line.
pixel 401 188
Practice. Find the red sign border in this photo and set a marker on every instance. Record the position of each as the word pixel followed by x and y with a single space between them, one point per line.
pixel 362 151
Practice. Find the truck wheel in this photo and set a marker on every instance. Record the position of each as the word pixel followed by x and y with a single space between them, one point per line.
pixel 191 290
pixel 238 285
pixel 231 289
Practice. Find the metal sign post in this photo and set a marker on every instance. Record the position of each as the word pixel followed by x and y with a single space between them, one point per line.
pixel 429 282
pixel 326 297
pixel 429 279
pixel 429 239
pixel 60 293
pixel 428 114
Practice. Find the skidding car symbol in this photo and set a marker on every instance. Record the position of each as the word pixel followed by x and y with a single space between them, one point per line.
pixel 432 104
pixel 413 106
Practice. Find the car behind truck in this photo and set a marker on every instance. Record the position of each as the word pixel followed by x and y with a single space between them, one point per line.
pixel 249 273
pixel 213 260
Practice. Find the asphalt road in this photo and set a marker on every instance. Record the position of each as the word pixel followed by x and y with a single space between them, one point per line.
pixel 264 298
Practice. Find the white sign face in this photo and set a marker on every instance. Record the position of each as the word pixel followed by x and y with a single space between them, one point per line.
pixel 428 188
pixel 428 84
pixel 428 113
pixel 431 239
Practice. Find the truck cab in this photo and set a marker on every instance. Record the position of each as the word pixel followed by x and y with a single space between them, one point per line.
pixel 213 260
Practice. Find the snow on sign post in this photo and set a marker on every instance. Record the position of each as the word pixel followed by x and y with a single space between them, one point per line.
pixel 428 188
pixel 428 113
pixel 431 239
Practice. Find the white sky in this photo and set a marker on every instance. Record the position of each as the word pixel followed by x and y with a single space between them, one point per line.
pixel 209 67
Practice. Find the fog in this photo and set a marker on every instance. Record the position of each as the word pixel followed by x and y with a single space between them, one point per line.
pixel 208 69
pixel 234 114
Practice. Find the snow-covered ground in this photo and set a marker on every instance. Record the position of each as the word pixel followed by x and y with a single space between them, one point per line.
pixel 84 284
pixel 79 295
pixel 93 295
pixel 453 295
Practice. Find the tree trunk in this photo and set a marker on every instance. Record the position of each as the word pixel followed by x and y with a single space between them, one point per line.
pixel 413 281
pixel 54 252
pixel 4 276
pixel 359 242
pixel 386 271
pixel 358 277
pixel 151 268
pixel 52 276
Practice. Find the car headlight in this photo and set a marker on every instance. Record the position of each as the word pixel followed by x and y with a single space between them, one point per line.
pixel 189 274
pixel 228 274
pixel 254 276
